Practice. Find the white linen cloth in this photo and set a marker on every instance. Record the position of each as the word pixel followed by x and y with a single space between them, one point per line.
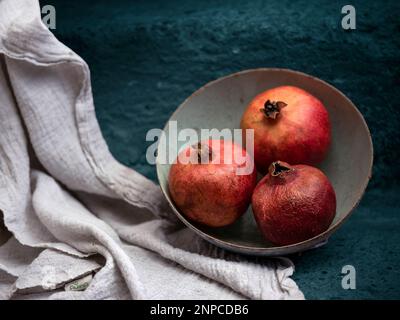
pixel 73 210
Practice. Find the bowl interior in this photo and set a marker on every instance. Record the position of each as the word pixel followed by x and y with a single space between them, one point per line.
pixel 220 105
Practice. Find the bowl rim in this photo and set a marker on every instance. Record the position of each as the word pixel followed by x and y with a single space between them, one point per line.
pixel 298 246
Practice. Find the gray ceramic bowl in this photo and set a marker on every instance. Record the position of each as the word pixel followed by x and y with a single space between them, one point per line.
pixel 220 104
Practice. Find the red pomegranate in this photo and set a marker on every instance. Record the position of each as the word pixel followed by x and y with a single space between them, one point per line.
pixel 293 203
pixel 289 124
pixel 213 188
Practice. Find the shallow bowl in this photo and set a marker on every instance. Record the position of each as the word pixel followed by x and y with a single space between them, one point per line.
pixel 220 104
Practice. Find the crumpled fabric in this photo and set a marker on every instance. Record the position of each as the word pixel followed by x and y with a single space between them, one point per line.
pixel 72 210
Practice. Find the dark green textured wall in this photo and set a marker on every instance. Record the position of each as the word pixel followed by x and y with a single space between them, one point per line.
pixel 146 57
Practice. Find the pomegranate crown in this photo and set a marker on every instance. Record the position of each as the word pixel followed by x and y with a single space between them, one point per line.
pixel 279 168
pixel 273 108
pixel 204 152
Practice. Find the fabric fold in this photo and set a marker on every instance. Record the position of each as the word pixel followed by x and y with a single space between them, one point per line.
pixel 66 199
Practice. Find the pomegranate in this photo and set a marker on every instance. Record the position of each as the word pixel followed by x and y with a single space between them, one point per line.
pixel 293 203
pixel 211 190
pixel 289 124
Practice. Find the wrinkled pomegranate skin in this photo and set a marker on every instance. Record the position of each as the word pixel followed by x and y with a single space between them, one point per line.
pixel 295 206
pixel 300 134
pixel 212 194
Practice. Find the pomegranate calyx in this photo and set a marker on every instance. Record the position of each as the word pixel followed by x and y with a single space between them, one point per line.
pixel 204 153
pixel 273 108
pixel 279 168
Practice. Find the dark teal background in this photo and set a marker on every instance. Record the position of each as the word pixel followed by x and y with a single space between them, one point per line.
pixel 146 57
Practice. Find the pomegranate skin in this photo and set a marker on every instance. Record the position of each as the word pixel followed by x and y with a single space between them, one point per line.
pixel 212 193
pixel 293 205
pixel 299 133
